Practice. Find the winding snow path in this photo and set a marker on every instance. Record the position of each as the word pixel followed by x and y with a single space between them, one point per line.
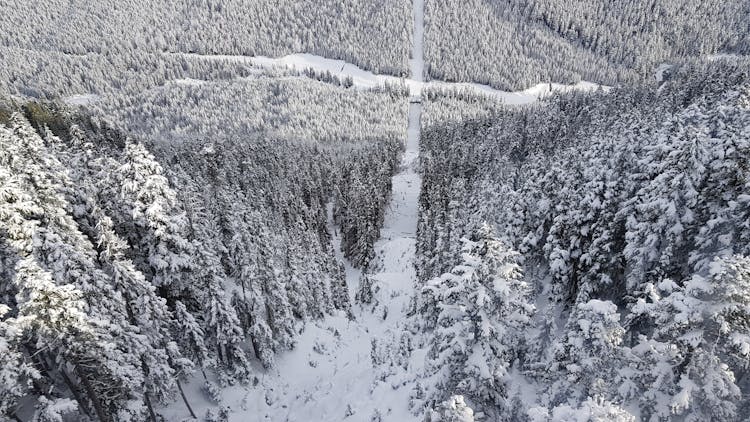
pixel 363 79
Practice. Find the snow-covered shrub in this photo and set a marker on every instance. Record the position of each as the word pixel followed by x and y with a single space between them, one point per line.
pixel 452 410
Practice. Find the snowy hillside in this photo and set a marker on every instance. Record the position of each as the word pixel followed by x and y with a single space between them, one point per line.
pixel 419 210
pixel 512 44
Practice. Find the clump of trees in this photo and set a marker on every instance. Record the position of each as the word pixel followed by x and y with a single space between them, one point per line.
pixel 628 213
pixel 127 266
pixel 514 44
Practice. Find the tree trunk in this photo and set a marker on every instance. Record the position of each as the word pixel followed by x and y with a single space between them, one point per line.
pixel 147 401
pixel 39 362
pixel 100 412
pixel 76 393
pixel 182 393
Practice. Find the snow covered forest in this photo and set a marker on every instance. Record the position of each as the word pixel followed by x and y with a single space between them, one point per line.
pixel 514 44
pixel 403 210
pixel 176 259
pixel 372 35
pixel 627 213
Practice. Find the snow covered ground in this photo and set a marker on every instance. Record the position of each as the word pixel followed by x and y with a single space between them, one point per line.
pixel 363 79
pixel 331 374
pixel 345 369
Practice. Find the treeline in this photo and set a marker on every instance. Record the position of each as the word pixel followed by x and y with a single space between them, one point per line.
pixel 368 125
pixel 288 108
pixel 128 267
pixel 513 44
pixel 372 35
pixel 52 75
pixel 587 257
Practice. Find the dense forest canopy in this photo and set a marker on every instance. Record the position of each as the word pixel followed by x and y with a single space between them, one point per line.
pixel 627 213
pixel 373 35
pixel 513 44
pixel 211 246
pixel 187 234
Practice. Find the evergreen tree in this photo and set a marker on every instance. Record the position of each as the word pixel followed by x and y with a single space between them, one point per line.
pixel 158 225
pixel 451 410
pixel 54 241
pixel 16 373
pixel 483 307
pixel 589 353
pixel 222 327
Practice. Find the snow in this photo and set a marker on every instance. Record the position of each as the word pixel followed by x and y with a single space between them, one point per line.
pixel 601 307
pixel 188 81
pixel 330 375
pixel 417 60
pixel 724 56
pixel 81 99
pixel 364 80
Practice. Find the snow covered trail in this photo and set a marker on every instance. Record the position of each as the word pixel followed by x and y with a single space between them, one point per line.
pixel 341 369
pixel 363 79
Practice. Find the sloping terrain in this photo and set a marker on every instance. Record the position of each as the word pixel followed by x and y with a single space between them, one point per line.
pixel 513 44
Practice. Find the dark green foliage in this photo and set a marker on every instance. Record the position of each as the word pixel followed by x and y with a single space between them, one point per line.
pixel 47 115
